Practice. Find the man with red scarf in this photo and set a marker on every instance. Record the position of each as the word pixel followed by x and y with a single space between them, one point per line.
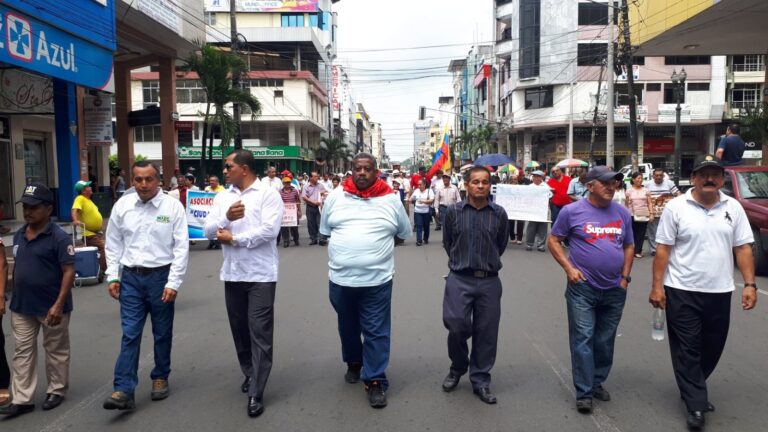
pixel 361 219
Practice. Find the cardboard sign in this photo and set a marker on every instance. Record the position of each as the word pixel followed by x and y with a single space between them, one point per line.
pixel 524 202
pixel 199 204
pixel 290 215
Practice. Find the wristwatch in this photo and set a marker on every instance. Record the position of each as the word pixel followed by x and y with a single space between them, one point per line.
pixel 750 285
pixel 627 278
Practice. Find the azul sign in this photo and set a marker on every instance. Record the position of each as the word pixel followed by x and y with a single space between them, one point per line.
pixel 32 45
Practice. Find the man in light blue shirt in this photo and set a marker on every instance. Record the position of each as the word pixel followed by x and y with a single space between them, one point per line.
pixel 361 219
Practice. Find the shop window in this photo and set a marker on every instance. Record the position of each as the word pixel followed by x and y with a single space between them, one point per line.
pixel 539 97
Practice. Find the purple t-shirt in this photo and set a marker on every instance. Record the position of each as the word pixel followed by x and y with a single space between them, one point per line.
pixel 597 237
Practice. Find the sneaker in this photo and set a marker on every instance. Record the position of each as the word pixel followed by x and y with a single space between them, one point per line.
pixel 120 401
pixel 528 248
pixel 160 389
pixel 377 397
pixel 584 405
pixel 353 372
pixel 601 394
pixel 541 250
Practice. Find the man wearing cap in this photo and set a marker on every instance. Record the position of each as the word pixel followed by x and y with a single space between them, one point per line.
pixel 86 214
pixel 536 231
pixel 290 195
pixel 147 251
pixel 698 236
pixel 43 277
pixel 598 273
pixel 445 197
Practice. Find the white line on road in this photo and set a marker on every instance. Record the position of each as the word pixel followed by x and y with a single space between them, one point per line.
pixel 90 402
pixel 764 292
pixel 601 420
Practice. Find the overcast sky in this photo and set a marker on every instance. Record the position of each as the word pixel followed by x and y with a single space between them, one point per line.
pixel 390 26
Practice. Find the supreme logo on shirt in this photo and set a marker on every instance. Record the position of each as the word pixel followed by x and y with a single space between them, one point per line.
pixel 611 230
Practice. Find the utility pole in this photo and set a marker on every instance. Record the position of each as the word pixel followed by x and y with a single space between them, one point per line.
pixel 235 77
pixel 609 130
pixel 594 118
pixel 627 54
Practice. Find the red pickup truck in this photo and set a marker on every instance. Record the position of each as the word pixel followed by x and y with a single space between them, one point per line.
pixel 749 185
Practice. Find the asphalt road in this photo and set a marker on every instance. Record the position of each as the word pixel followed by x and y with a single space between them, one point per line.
pixel 306 391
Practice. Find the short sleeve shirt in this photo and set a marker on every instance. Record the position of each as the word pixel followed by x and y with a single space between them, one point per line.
pixel 702 240
pixel 733 150
pixel 560 190
pixel 89 215
pixel 577 189
pixel 597 239
pixel 37 275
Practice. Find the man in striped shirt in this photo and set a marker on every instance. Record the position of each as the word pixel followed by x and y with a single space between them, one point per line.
pixel 475 237
pixel 662 190
pixel 290 195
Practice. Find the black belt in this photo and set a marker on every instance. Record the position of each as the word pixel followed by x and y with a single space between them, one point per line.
pixel 476 273
pixel 146 270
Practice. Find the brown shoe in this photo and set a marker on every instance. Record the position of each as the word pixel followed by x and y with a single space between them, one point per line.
pixel 160 389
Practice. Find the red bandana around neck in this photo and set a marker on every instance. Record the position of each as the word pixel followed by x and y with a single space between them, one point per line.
pixel 377 189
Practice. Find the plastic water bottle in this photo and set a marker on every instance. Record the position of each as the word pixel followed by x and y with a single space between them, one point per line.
pixel 657 330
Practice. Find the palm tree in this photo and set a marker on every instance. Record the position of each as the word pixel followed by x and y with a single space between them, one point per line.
pixel 215 69
pixel 756 119
pixel 482 139
pixel 334 150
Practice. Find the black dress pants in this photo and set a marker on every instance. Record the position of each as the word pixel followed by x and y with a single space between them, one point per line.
pixel 313 223
pixel 697 324
pixel 5 372
pixel 250 308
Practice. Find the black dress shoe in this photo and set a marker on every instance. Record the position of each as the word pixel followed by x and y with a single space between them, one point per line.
pixel 255 407
pixel 352 375
pixel 13 410
pixel 52 401
pixel 485 395
pixel 246 384
pixel 695 420
pixel 313 242
pixel 451 381
pixel 286 244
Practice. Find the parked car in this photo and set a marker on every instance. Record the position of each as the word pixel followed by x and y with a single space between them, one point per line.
pixel 749 185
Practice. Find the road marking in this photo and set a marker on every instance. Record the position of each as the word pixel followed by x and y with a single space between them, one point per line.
pixel 601 420
pixel 762 292
pixel 63 422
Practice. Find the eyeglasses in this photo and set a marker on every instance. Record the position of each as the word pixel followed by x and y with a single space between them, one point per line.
pixel 229 166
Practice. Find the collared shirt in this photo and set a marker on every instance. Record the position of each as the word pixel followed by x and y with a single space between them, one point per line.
pixel 447 196
pixel 37 276
pixel 578 189
pixel 148 234
pixel 313 192
pixel 291 196
pixel 274 182
pixel 661 194
pixel 702 240
pixel 218 189
pixel 361 247
pixel 254 257
pixel 474 238
pixel 89 215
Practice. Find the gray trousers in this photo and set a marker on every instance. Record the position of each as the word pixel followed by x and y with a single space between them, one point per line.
pixel 472 308
pixel 651 230
pixel 250 307
pixel 313 223
pixel 536 231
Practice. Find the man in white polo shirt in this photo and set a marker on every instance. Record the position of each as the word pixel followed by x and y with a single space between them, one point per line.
pixel 361 219
pixel 697 237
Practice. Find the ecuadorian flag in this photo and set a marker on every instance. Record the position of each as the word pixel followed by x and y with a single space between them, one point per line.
pixel 442 159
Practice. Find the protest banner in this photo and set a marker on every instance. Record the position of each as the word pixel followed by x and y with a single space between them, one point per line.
pixel 290 215
pixel 521 202
pixel 199 204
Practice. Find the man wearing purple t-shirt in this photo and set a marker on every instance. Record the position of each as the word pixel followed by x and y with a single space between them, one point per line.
pixel 601 252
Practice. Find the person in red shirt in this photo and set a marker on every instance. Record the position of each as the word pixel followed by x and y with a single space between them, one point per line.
pixel 418 176
pixel 559 183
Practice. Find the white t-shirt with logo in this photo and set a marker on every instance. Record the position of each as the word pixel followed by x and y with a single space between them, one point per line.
pixel 702 240
pixel 417 195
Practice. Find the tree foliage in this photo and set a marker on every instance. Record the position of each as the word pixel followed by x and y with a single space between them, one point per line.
pixel 335 152
pixel 756 120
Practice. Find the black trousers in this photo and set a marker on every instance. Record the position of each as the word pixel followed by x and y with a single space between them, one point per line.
pixel 313 222
pixel 5 372
pixel 287 232
pixel 697 324
pixel 516 230
pixel 250 307
pixel 638 231
pixel 472 308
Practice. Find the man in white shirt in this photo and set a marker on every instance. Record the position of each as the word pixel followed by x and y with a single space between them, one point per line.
pixel 698 236
pixel 147 249
pixel 436 184
pixel 662 189
pixel 446 196
pixel 271 179
pixel 537 231
pixel 246 220
pixel 361 220
pixel 327 183
pixel 312 197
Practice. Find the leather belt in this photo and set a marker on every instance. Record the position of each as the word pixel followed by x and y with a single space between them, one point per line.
pixel 476 273
pixel 141 271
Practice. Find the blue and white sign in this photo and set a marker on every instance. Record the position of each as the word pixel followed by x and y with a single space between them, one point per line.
pixel 33 45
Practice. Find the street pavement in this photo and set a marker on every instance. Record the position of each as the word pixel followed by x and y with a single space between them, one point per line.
pixel 306 390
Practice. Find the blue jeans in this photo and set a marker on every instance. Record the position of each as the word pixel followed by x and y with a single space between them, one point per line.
pixel 141 295
pixel 422 225
pixel 443 211
pixel 364 311
pixel 593 318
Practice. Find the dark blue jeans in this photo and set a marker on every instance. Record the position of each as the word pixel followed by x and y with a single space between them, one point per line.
pixel 422 225
pixel 365 311
pixel 141 295
pixel 593 318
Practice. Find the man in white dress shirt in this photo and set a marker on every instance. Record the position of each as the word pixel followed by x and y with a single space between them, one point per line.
pixel 271 180
pixel 246 220
pixel 147 250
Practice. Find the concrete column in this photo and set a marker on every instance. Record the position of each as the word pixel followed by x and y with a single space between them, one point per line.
pixel 292 134
pixel 67 147
pixel 123 132
pixel 640 143
pixel 509 144
pixel 527 146
pixel 710 136
pixel 170 138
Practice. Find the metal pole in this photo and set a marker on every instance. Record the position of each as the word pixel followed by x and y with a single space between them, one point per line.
pixel 627 51
pixel 569 150
pixel 594 119
pixel 235 77
pixel 609 131
pixel 678 133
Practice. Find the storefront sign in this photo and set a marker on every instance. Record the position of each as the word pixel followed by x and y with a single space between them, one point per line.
pixel 263 5
pixel 97 116
pixel 165 12
pixel 271 152
pixel 186 126
pixel 659 145
pixel 25 93
pixel 31 44
pixel 621 113
pixel 667 113
pixel 335 88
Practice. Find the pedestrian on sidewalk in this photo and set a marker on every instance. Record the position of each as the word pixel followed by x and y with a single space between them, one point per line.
pixel 422 198
pixel 290 195
pixel 598 272
pixel 43 276
pixel 662 190
pixel 475 237
pixel 86 215
pixel 312 196
pixel 5 371
pixel 695 288
pixel 537 231
pixel 147 252
pixel 246 220
pixel 361 220
pixel 640 207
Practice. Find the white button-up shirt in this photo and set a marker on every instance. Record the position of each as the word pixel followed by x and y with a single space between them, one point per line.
pixel 148 234
pixel 254 257
pixel 274 182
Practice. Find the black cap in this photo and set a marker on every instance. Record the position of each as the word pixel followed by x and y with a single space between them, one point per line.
pixel 703 161
pixel 36 194
pixel 603 173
